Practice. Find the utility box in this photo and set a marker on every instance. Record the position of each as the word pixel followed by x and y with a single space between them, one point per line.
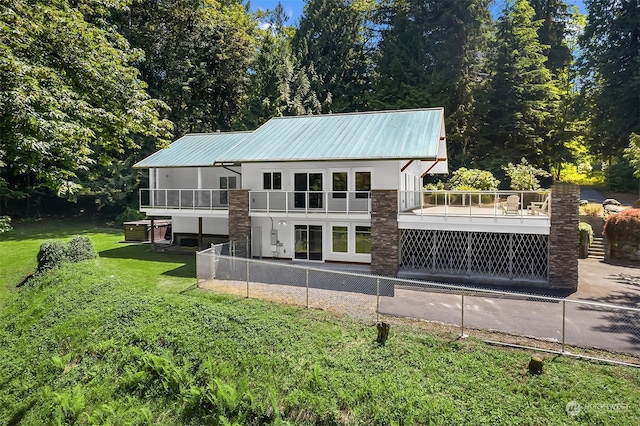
pixel 140 230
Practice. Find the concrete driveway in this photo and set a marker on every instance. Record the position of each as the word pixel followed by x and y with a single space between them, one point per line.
pixel 586 325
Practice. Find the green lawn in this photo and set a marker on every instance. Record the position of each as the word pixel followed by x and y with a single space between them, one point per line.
pixel 116 341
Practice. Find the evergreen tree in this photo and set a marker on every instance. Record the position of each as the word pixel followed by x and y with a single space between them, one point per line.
pixel 520 97
pixel 331 44
pixel 278 84
pixel 611 72
pixel 430 54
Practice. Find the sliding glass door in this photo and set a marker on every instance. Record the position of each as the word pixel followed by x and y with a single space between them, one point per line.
pixel 308 242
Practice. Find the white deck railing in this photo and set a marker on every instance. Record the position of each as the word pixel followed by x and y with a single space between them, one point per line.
pixel 531 204
pixel 310 202
pixel 184 199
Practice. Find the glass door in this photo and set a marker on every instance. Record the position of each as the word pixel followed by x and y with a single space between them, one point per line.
pixel 308 190
pixel 308 242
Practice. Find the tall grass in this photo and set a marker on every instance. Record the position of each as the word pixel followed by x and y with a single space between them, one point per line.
pixel 114 341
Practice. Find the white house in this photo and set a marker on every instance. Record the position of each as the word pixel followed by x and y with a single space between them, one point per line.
pixel 346 188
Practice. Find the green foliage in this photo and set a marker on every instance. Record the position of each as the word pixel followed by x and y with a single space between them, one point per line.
pixel 632 153
pixel 52 255
pixel 523 176
pixel 70 97
pixel 85 334
pixel 197 58
pixel 5 224
pixel 586 232
pixel 473 179
pixel 610 65
pixel 331 45
pixel 79 248
pixel 129 215
pixel 520 98
pixel 582 174
pixel 619 176
pixel 430 53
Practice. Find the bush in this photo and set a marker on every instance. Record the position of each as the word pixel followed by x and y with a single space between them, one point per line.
pixel 585 238
pixel 623 226
pixel 619 177
pixel 636 205
pixel 52 255
pixel 129 215
pixel 80 248
pixel 473 180
pixel 524 176
pixel 5 224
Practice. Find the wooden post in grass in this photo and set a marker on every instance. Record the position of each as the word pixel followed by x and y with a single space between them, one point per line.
pixel 383 332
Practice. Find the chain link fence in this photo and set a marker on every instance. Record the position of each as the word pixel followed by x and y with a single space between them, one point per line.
pixel 531 321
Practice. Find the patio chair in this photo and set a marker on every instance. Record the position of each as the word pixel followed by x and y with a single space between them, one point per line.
pixel 511 206
pixel 539 207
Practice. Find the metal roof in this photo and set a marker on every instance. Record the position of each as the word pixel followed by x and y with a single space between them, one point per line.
pixel 194 150
pixel 403 134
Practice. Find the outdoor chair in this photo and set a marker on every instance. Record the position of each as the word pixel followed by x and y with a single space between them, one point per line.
pixel 539 207
pixel 511 206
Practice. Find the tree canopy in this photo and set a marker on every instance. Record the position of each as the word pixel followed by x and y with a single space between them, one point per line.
pixel 88 87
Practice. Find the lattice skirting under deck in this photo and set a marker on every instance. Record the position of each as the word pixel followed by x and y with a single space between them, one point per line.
pixel 483 254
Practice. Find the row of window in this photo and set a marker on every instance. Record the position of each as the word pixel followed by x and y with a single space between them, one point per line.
pixel 313 182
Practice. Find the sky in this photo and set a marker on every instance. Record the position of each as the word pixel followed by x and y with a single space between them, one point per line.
pixel 293 8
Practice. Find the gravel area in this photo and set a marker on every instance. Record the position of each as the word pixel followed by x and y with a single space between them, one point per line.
pixel 356 305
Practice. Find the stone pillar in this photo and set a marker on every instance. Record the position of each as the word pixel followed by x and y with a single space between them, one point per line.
pixel 384 232
pixel 564 237
pixel 239 220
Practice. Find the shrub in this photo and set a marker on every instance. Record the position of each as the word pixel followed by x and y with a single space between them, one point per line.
pixel 619 177
pixel 5 224
pixel 524 176
pixel 52 255
pixel 636 205
pixel 129 215
pixel 80 248
pixel 594 210
pixel 586 232
pixel 473 179
pixel 623 226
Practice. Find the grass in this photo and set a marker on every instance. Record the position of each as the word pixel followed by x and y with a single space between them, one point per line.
pixel 116 341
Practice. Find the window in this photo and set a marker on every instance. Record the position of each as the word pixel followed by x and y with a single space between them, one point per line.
pixel 363 239
pixel 272 180
pixel 226 182
pixel 340 239
pixel 339 181
pixel 363 183
pixel 309 186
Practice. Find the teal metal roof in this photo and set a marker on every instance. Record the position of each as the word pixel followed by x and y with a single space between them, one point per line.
pixel 403 134
pixel 194 150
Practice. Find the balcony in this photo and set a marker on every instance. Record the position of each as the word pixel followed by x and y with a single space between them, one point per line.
pixel 310 202
pixel 496 211
pixel 185 200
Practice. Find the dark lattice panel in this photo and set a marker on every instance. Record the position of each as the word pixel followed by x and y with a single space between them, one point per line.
pixel 520 256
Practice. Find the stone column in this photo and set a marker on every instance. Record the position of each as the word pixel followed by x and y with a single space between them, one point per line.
pixel 384 232
pixel 564 238
pixel 239 220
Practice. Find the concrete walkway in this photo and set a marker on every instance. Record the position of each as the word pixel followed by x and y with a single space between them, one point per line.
pixel 586 325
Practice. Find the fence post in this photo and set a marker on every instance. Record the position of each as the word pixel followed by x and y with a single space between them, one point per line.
pixel 247 278
pixel 564 318
pixel 462 315
pixel 378 300
pixel 306 273
pixel 198 256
